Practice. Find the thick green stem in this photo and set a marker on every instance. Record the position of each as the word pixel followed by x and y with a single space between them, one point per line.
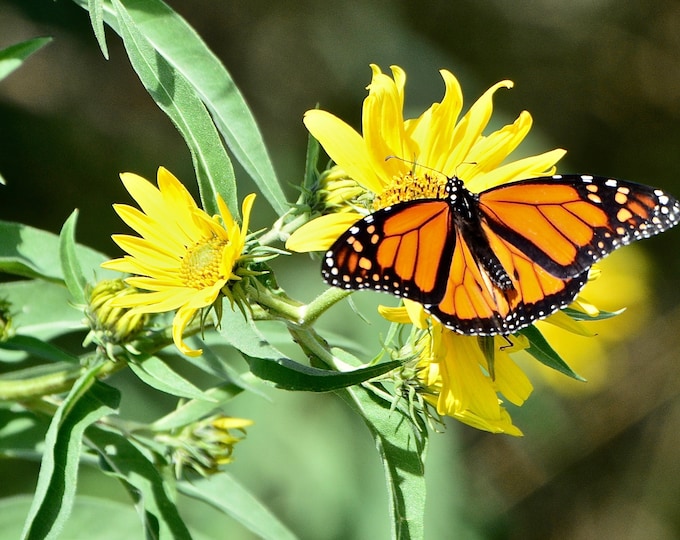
pixel 322 303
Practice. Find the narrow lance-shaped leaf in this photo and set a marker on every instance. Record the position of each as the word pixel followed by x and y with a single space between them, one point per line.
pixel 541 350
pixel 196 409
pixel 268 363
pixel 402 447
pixel 13 56
pixel 123 459
pixel 30 252
pixel 87 402
pixel 70 264
pixel 224 493
pixel 96 9
pixel 184 49
pixel 157 374
pixel 176 98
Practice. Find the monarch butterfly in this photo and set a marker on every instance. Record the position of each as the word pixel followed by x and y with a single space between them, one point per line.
pixel 496 261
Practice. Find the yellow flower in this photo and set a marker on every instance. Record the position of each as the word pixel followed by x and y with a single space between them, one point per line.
pixel 454 376
pixel 439 139
pixel 184 256
pixel 440 142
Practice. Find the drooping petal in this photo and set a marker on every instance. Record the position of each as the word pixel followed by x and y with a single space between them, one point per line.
pixel 182 319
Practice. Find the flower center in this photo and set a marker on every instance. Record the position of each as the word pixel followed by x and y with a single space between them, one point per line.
pixel 409 188
pixel 201 263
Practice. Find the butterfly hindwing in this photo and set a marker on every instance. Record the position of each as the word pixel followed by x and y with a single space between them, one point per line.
pixel 567 223
pixel 473 304
pixel 403 250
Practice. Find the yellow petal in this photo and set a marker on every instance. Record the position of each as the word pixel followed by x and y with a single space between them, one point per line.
pixel 394 314
pixel 320 233
pixel 471 126
pixel 530 167
pixel 383 127
pixel 345 146
pixel 436 126
pixel 179 323
pixel 510 380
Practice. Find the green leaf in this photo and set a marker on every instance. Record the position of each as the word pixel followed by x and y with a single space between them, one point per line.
pixel 37 348
pixel 21 436
pixel 88 401
pixel 402 448
pixel 13 56
pixel 270 364
pixel 157 374
pixel 291 375
pixel 601 315
pixel 29 252
pixel 96 10
pixel 70 265
pixel 541 350
pixel 176 98
pixel 223 492
pixel 143 480
pixel 39 309
pixel 183 48
pixel 102 519
pixel 177 42
pixel 197 408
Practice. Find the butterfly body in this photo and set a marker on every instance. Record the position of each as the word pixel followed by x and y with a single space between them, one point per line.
pixel 494 262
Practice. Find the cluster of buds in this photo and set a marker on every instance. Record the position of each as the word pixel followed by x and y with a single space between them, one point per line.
pixel 205 445
pixel 112 325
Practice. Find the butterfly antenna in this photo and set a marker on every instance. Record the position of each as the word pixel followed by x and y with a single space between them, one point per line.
pixel 415 164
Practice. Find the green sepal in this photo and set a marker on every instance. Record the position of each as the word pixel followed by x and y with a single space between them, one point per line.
pixel 70 264
pixel 541 350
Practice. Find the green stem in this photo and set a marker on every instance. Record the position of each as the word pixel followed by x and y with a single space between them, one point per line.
pixel 20 389
pixel 322 303
pixel 281 229
pixel 280 304
pixel 31 387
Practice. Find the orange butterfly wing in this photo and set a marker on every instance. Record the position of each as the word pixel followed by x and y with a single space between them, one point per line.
pixel 403 250
pixel 473 304
pixel 495 262
pixel 565 224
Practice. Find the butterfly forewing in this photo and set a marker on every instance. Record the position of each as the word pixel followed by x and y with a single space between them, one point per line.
pixel 403 250
pixel 567 223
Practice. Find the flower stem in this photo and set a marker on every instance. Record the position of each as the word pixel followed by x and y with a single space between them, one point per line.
pixel 322 303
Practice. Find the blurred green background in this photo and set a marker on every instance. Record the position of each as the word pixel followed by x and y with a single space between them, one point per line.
pixel 601 79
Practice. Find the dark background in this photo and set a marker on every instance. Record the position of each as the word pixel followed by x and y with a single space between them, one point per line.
pixel 601 79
